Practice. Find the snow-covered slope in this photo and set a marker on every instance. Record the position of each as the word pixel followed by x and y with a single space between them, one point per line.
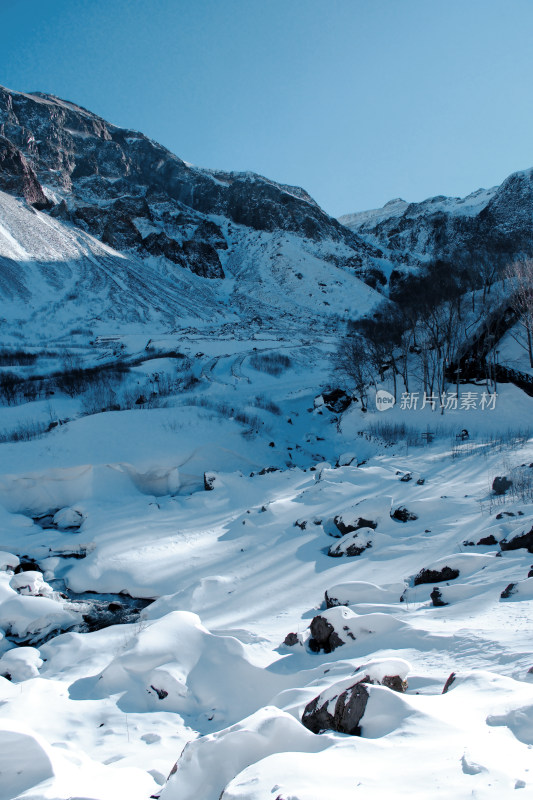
pixel 177 245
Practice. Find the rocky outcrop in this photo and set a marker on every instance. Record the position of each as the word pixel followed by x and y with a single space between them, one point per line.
pixel 18 178
pixel 522 540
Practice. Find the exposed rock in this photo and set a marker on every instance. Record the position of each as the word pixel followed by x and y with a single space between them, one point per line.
pixel 436 598
pixel 401 514
pixel 347 714
pixel 203 259
pixel 407 477
pixel 18 178
pixel 508 591
pixel 501 484
pixel 347 524
pixel 435 576
pixel 323 636
pixel 209 481
pixel 291 639
pixel 353 544
pixel 337 400
pixel 488 540
pixel 159 244
pixel 523 540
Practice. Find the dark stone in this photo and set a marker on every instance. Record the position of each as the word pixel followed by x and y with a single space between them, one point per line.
pixel 291 639
pixel 349 710
pixel 488 540
pixel 523 540
pixel 401 514
pixel 115 607
pixel 361 522
pixel 435 576
pixel 209 481
pixel 337 400
pixel 323 636
pixel 450 680
pixel 421 481
pixel 407 477
pixel 508 591
pixel 267 470
pixel 501 484
pixel 436 598
pixel 301 523
pixel 161 693
pixel 395 683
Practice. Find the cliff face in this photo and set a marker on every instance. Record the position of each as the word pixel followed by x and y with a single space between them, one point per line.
pixel 119 173
pixel 163 235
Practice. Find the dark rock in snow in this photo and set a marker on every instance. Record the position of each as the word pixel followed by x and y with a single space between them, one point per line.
pixel 488 540
pixel 323 636
pixel 27 565
pixel 347 714
pixel 523 540
pixel 508 591
pixel 501 484
pixel 337 400
pixel 407 477
pixel 436 598
pixel 401 514
pixel 209 481
pixel 291 639
pixel 435 575
pixel 345 526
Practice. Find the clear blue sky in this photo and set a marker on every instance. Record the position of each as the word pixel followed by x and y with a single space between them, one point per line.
pixel 358 101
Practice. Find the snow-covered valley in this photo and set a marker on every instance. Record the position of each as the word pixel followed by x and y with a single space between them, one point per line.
pixel 235 569
pixel 231 567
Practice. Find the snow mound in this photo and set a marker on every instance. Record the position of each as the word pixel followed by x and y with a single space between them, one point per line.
pixel 209 763
pixel 170 666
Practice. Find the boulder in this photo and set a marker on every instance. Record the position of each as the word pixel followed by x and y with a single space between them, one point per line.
pixel 348 522
pixel 209 481
pixel 353 544
pixel 323 636
pixel 435 575
pixel 337 400
pixel 347 713
pixel 523 540
pixel 436 598
pixel 401 514
pixel 67 518
pixel 501 484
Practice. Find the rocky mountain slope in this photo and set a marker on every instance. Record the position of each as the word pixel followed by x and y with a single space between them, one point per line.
pixel 174 242
pixel 489 227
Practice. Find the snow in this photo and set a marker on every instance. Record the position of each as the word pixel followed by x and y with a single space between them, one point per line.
pixel 202 678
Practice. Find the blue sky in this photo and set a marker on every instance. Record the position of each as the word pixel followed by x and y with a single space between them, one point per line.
pixel 358 101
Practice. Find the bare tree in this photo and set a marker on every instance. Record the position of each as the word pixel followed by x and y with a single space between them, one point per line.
pixel 520 277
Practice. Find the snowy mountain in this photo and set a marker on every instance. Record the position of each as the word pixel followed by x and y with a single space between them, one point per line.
pixel 494 225
pixel 221 576
pixel 132 233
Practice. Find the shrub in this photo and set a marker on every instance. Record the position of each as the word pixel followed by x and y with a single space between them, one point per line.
pixel 273 363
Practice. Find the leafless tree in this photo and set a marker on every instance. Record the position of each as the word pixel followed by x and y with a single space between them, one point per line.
pixel 520 277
